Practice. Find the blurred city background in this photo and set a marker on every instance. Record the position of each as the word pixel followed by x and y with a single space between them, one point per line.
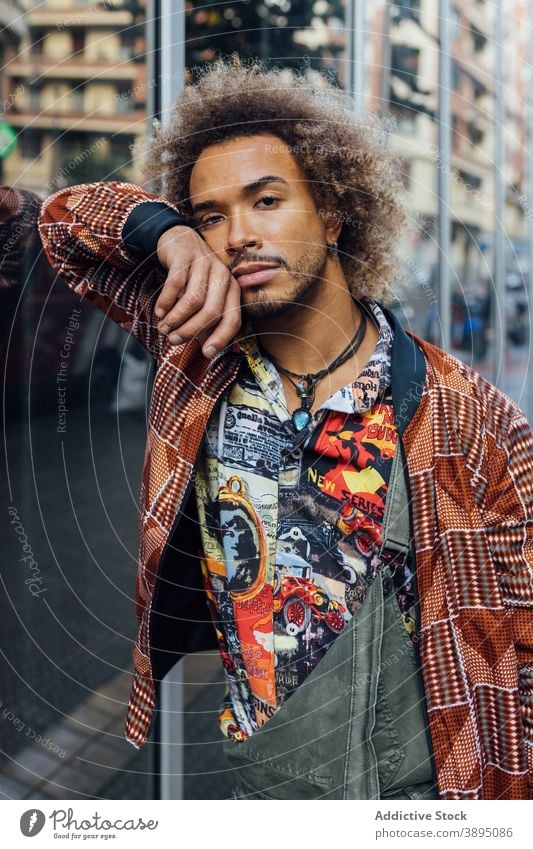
pixel 80 83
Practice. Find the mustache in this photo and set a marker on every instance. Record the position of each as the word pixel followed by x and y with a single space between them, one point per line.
pixel 249 258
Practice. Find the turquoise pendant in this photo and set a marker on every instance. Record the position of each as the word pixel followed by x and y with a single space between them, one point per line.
pixel 301 418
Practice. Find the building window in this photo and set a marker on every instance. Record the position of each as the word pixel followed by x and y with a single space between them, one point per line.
pixel 127 47
pixel 470 180
pixel 475 135
pixel 404 64
pixel 35 98
pixel 479 90
pixel 408 9
pixel 31 143
pixel 478 39
pixel 76 99
pixel 37 41
pixel 405 115
pixel 78 43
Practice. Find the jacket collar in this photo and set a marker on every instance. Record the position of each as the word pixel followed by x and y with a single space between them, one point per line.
pixel 408 373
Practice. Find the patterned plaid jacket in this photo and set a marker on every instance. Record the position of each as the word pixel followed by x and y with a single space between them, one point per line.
pixel 469 462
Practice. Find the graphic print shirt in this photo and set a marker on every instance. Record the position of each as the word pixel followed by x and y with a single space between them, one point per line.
pixel 291 526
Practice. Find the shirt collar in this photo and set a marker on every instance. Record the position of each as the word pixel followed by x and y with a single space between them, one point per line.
pixel 372 383
pixel 375 379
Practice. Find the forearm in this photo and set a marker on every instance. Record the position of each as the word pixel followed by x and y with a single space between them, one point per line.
pixel 146 223
pixel 19 240
pixel 95 238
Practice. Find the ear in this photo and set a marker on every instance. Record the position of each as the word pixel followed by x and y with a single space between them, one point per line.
pixel 334 220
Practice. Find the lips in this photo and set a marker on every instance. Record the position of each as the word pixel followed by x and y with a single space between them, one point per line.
pixel 256 274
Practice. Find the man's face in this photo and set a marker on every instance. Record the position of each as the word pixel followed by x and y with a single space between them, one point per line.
pixel 256 213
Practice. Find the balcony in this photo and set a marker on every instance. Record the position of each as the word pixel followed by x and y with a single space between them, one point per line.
pixel 481 18
pixel 41 68
pixel 471 112
pixel 50 118
pixel 474 207
pixel 58 19
pixel 478 162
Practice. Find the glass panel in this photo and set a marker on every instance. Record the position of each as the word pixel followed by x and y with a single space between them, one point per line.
pixel 408 90
pixel 518 208
pixel 287 34
pixel 280 32
pixel 402 73
pixel 74 390
pixel 472 189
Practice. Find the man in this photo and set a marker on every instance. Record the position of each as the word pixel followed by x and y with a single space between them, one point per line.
pixel 355 457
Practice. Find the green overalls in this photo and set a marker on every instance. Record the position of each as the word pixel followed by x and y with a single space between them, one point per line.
pixel 355 728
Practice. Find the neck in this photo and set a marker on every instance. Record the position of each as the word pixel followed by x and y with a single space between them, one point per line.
pixel 312 334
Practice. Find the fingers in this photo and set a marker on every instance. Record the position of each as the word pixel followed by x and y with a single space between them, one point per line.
pixel 191 300
pixel 199 295
pixel 186 284
pixel 172 290
pixel 201 306
pixel 228 326
pixel 179 249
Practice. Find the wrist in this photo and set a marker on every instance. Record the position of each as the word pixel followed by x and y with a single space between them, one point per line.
pixel 145 225
pixel 167 238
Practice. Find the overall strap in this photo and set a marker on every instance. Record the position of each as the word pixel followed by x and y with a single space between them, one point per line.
pixel 396 530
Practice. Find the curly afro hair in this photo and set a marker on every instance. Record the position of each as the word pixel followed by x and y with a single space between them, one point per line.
pixel 352 171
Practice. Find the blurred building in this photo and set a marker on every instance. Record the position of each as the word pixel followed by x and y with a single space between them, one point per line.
pixel 402 66
pixel 517 78
pixel 405 84
pixel 81 68
pixel 401 79
pixel 12 31
pixel 285 32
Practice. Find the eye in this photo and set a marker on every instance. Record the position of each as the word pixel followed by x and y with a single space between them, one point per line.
pixel 211 220
pixel 270 200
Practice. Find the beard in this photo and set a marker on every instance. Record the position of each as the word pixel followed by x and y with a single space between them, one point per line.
pixel 305 275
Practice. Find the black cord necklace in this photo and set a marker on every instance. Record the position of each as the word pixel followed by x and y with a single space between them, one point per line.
pixel 307 382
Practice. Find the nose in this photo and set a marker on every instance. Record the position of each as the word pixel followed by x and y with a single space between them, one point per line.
pixel 242 234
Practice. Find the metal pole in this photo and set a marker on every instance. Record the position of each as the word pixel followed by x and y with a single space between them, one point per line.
pixel 355 27
pixel 172 40
pixel 171 734
pixel 443 171
pixel 386 54
pixel 166 73
pixel 529 217
pixel 498 311
pixel 153 66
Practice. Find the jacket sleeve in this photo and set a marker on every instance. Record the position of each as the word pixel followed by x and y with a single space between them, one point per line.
pixel 19 242
pixel 511 518
pixel 81 228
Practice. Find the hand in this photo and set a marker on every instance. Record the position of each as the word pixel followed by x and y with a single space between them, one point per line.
pixel 200 297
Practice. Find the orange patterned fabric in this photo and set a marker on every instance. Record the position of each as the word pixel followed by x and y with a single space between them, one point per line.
pixel 19 210
pixel 469 453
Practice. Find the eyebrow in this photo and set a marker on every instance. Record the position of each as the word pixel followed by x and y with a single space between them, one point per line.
pixel 247 190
